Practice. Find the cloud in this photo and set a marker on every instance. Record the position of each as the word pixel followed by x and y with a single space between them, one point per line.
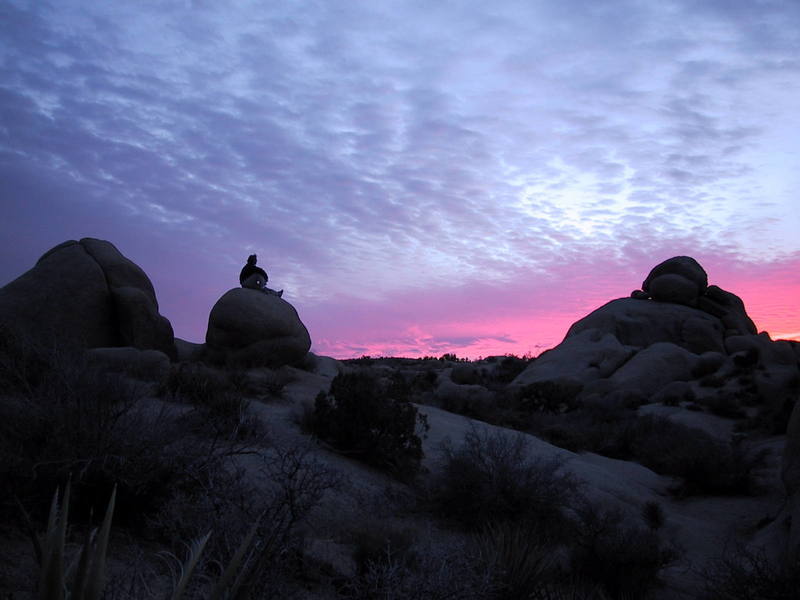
pixel 381 155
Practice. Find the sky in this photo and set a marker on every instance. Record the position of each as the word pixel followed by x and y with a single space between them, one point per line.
pixel 419 177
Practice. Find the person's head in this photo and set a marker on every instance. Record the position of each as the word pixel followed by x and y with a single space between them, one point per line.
pixel 251 260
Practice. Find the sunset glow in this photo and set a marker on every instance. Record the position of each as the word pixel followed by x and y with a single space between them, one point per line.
pixel 419 178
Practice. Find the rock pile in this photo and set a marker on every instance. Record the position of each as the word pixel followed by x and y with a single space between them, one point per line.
pixel 676 339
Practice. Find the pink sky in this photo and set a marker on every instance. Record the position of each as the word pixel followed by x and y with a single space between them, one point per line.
pixel 527 318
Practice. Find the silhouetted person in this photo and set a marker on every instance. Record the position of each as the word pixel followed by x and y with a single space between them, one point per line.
pixel 256 278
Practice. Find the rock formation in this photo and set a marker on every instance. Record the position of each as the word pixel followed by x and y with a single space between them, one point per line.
pixel 790 474
pixel 678 335
pixel 87 293
pixel 250 328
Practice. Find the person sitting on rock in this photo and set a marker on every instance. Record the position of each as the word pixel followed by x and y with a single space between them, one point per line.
pixel 255 278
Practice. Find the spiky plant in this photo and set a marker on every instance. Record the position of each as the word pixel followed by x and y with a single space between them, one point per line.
pixel 84 578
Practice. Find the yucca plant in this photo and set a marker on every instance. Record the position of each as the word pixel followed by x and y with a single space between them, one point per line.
pixel 84 577
pixel 229 584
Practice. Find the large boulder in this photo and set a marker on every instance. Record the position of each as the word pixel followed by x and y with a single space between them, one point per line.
pixel 250 328
pixel 654 368
pixel 641 323
pixel 729 309
pixel 88 294
pixel 680 279
pixel 583 357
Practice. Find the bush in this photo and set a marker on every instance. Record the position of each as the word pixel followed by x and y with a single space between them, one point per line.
pixel 625 560
pixel 704 464
pixel 743 574
pixel 97 428
pixel 427 571
pixel 371 420
pixel 653 515
pixel 492 478
pixel 519 558
pixel 217 399
pixel 546 396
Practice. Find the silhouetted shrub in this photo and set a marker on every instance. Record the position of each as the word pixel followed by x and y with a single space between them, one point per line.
pixel 705 464
pixel 509 367
pixel 429 570
pixel 492 478
pixel 377 540
pixel 519 558
pixel 724 405
pixel 624 559
pixel 371 420
pixel 653 515
pixel 219 408
pixel 96 428
pixel 196 384
pixel 545 396
pixel 743 574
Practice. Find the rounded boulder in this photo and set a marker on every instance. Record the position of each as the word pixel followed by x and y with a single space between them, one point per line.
pixel 88 294
pixel 250 328
pixel 679 279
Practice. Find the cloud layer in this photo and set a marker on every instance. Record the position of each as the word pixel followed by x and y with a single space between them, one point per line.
pixel 419 178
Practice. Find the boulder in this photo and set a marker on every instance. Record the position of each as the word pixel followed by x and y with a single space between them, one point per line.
pixel 654 368
pixel 250 328
pixel 674 393
pixel 674 288
pixel 87 293
pixel 641 323
pixel 729 308
pixel 679 279
pixel 586 355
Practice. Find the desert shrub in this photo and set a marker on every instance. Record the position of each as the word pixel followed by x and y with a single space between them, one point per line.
pixel 425 381
pixel 98 429
pixel 724 405
pixel 743 574
pixel 545 396
pixel 653 515
pixel 492 478
pixel 198 384
pixel 591 428
pixel 378 540
pixel 774 418
pixel 256 526
pixel 220 409
pixel 23 363
pixel 520 560
pixel 704 464
pixel 371 420
pixel 623 559
pixel 509 367
pixel 429 570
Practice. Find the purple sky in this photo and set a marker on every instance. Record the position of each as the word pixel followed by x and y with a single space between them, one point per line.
pixel 420 177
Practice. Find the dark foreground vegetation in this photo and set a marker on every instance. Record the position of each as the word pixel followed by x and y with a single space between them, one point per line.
pixel 204 500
